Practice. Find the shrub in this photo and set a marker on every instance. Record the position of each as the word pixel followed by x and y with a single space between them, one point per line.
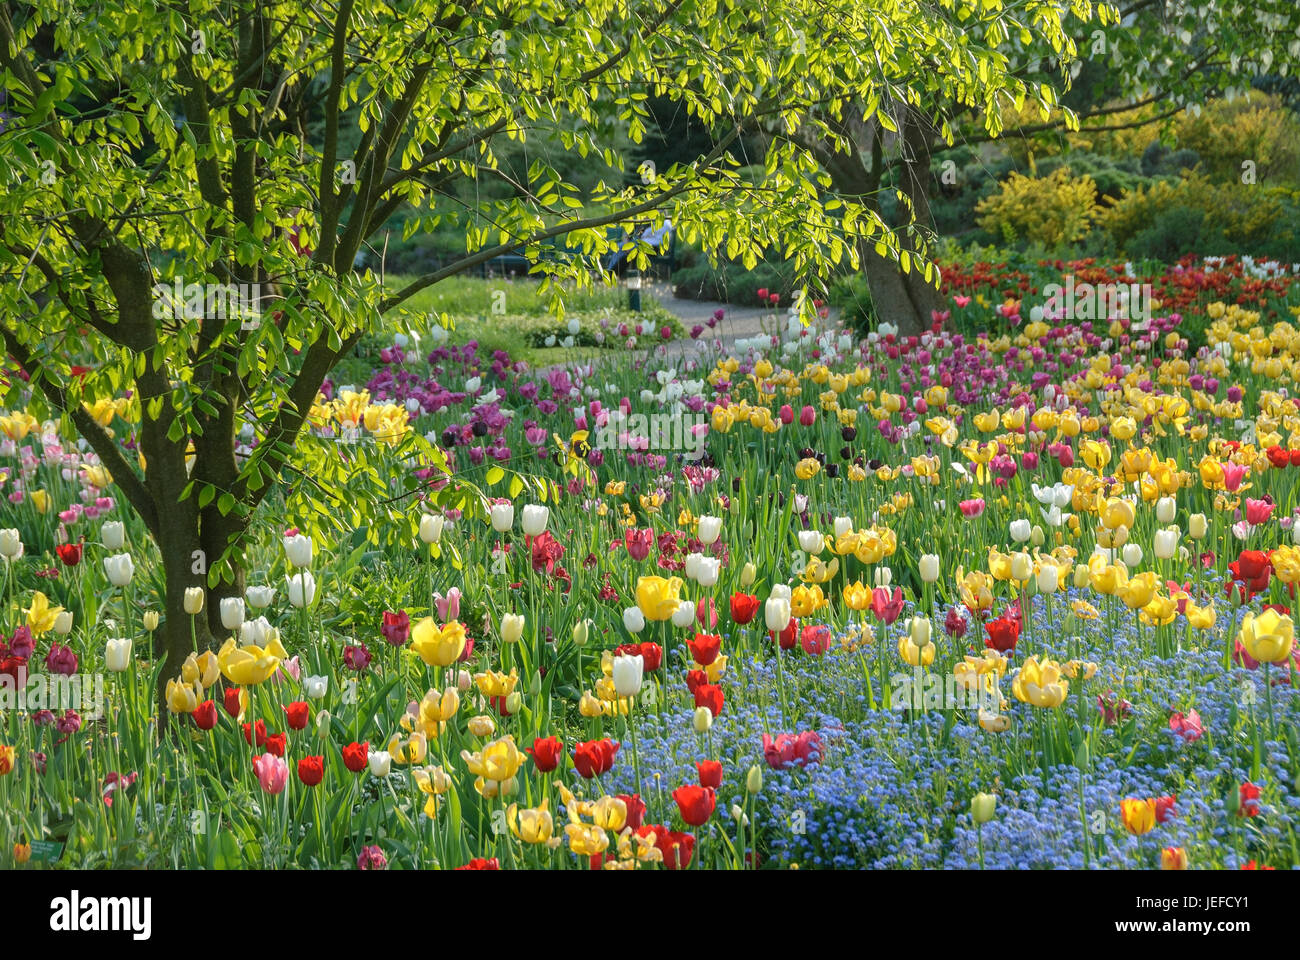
pixel 1254 127
pixel 1052 211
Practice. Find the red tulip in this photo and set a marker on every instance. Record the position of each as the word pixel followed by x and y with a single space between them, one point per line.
pixel 1003 633
pixel 356 756
pixel 635 809
pixel 205 716
pixel 69 553
pixel 259 727
pixel 297 715
pixel 233 701
pixel 744 606
pixel 1249 796
pixel 676 847
pixel 815 639
pixel 704 648
pixel 807 416
pixel 711 696
pixel 311 770
pixel 594 757
pixel 789 636
pixel 547 752
pixel 1188 727
pixel 710 773
pixel 695 803
pixel 885 607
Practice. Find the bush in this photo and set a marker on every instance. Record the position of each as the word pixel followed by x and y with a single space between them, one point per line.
pixel 1255 127
pixel 1051 211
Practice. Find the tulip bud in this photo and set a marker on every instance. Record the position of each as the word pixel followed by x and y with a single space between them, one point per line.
pixel 63 623
pixel 919 629
pixel 534 519
pixel 431 527
pixel 982 806
pixel 464 680
pixel 503 516
pixel 323 720
pixel 634 619
pixel 535 685
pixel 1166 509
pixel 754 779
pixel 842 526
pixel 1081 575
pixel 884 576
pixel 512 628
pixel 150 620
pixel 1049 578
pixel 1132 555
pixel 710 528
pixel 581 632
pixel 193 600
pixel 298 549
pixel 748 574
pixel 702 720
pixel 929 567
pixel 1036 536
pixel 514 701
pixel 380 763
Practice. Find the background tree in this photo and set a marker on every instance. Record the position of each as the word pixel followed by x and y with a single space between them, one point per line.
pixel 267 143
pixel 1153 58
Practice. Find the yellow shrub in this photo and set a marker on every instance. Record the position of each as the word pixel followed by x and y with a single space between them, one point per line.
pixel 1254 127
pixel 1244 215
pixel 1051 211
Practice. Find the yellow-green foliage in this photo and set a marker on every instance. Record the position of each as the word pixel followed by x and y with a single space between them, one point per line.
pixel 1050 211
pixel 1242 214
pixel 1255 127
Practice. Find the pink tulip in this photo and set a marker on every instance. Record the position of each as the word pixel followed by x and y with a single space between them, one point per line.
pixel 272 772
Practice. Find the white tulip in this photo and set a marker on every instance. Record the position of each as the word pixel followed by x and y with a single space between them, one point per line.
pixel 919 629
pixel 11 544
pixel 1165 543
pixel 512 627
pixel 256 633
pixel 781 590
pixel 883 576
pixel 776 613
pixel 811 541
pixel 710 529
pixel 1132 555
pixel 431 527
pixel 684 615
pixel 232 612
pixel 706 571
pixel 633 619
pixel 843 525
pixel 1020 530
pixel 119 568
pixel 259 598
pixel 193 600
pixel 117 654
pixel 298 549
pixel 627 672
pixel 381 762
pixel 503 516
pixel 63 623
pixel 929 567
pixel 534 519
pixel 1022 566
pixel 1049 578
pixel 692 567
pixel 316 687
pixel 113 534
pixel 301 588
pixel 1166 509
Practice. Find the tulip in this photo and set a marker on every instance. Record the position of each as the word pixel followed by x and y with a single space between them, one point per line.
pixel 1173 858
pixel 634 619
pixel 780 590
pixel 117 654
pixel 272 772
pixel 193 600
pixel 119 569
pixel 1165 544
pixel 534 519
pixel 380 763
pixel 250 665
pixel 438 646
pixel 1020 531
pixel 63 623
pixel 1139 816
pixel 709 529
pixel 1166 510
pixel 702 720
pixel 298 549
pixel 1049 578
pixel 1022 566
pixel 754 779
pixel 581 632
pixel 929 567
pixel 1197 526
pixel 982 806
pixel 749 573
pixel 232 613
pixel 431 527
pixel 532 826
pixel 706 574
pixel 259 598
pixel 658 597
pixel 11 544
pixel 811 541
pixel 1268 637
pixel 112 535
pixel 776 613
pixel 315 687
pixel 182 697
pixel 301 588
pixel 512 628
pixel 1132 555
pixel 503 516
pixel 498 761
pixel 918 629
pixel 627 673
pixel 1040 684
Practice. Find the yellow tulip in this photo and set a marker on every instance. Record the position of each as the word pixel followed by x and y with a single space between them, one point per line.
pixel 856 596
pixel 1139 591
pixel 1268 637
pixel 531 825
pixel 1040 684
pixel 499 760
pixel 913 655
pixel 1139 816
pixel 182 697
pixel 247 666
pixel 807 468
pixel 586 841
pixel 658 597
pixel 438 647
pixel 40 615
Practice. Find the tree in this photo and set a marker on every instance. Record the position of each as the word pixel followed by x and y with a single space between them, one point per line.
pixel 261 146
pixel 1165 55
